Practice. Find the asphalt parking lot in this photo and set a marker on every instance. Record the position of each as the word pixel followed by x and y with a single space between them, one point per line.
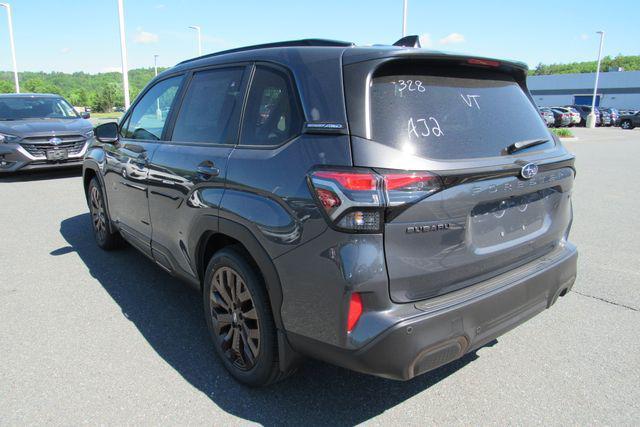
pixel 93 337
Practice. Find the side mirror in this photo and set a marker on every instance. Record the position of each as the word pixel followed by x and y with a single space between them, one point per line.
pixel 85 115
pixel 107 133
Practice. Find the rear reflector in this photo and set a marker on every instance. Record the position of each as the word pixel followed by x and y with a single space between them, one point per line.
pixel 355 311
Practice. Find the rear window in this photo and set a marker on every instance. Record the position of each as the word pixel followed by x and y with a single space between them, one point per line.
pixel 451 112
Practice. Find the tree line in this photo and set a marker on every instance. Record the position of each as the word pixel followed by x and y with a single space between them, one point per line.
pixel 629 63
pixel 103 91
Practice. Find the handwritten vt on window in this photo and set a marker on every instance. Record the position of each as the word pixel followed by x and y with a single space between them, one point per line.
pixel 470 100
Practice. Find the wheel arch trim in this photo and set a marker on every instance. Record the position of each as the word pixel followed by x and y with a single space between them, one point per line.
pixel 209 226
pixel 92 165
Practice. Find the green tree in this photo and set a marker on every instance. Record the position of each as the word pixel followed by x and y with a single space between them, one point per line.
pixel 39 85
pixel 107 97
pixel 629 63
pixel 6 87
pixel 79 97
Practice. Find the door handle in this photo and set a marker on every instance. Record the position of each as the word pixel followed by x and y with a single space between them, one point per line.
pixel 208 169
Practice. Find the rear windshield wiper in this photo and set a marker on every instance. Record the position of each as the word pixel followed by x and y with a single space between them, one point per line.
pixel 521 145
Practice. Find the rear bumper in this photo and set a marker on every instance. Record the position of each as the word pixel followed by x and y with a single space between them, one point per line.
pixel 14 158
pixel 445 328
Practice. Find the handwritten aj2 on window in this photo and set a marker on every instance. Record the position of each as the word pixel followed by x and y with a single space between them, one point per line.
pixel 424 127
pixel 450 112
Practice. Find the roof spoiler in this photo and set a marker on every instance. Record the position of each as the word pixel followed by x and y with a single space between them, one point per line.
pixel 408 41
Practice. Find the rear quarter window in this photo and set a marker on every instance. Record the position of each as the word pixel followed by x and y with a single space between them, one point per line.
pixel 452 112
pixel 272 116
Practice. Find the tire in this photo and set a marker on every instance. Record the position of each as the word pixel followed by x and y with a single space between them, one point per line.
pixel 626 124
pixel 100 221
pixel 239 319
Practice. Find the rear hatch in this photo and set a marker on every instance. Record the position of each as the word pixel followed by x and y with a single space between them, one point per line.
pixel 458 118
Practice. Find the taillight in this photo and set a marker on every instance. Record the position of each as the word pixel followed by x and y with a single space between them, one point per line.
pixel 351 180
pixel 355 311
pixel 328 200
pixel 357 200
pixel 406 187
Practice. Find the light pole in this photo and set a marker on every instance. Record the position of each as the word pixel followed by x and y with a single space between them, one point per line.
pixel 123 52
pixel 591 118
pixel 155 64
pixel 197 28
pixel 404 17
pixel 13 46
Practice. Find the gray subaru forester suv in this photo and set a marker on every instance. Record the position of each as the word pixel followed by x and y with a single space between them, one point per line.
pixel 386 209
pixel 41 131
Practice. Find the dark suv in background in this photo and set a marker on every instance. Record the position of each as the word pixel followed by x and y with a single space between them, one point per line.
pixel 41 131
pixel 373 207
pixel 630 121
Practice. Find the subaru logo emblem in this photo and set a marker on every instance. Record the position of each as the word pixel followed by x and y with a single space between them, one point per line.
pixel 529 170
pixel 55 141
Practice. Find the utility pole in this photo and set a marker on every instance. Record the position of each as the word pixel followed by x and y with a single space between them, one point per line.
pixel 123 52
pixel 404 17
pixel 13 46
pixel 155 64
pixel 591 118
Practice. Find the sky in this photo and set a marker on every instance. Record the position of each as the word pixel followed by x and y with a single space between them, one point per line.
pixel 83 35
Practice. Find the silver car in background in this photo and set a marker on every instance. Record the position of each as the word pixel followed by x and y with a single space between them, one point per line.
pixel 41 131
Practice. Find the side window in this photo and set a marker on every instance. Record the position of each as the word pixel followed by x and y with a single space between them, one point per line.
pixel 150 114
pixel 210 111
pixel 124 128
pixel 272 114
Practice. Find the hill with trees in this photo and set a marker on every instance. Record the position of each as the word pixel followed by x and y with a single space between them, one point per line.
pixel 101 92
pixel 629 63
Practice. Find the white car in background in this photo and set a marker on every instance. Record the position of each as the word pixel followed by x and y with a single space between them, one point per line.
pixel 575 116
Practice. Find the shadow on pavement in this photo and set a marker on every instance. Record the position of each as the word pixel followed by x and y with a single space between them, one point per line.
pixel 39 175
pixel 169 316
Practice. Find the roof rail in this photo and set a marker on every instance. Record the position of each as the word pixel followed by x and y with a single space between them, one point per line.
pixel 291 43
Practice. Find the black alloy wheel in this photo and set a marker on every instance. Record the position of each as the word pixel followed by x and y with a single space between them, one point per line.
pixel 238 313
pixel 98 217
pixel 235 319
pixel 105 238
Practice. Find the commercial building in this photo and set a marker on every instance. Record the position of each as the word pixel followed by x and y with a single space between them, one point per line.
pixel 616 89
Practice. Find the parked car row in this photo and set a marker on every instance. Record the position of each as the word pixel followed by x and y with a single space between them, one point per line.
pixel 576 115
pixel 559 116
